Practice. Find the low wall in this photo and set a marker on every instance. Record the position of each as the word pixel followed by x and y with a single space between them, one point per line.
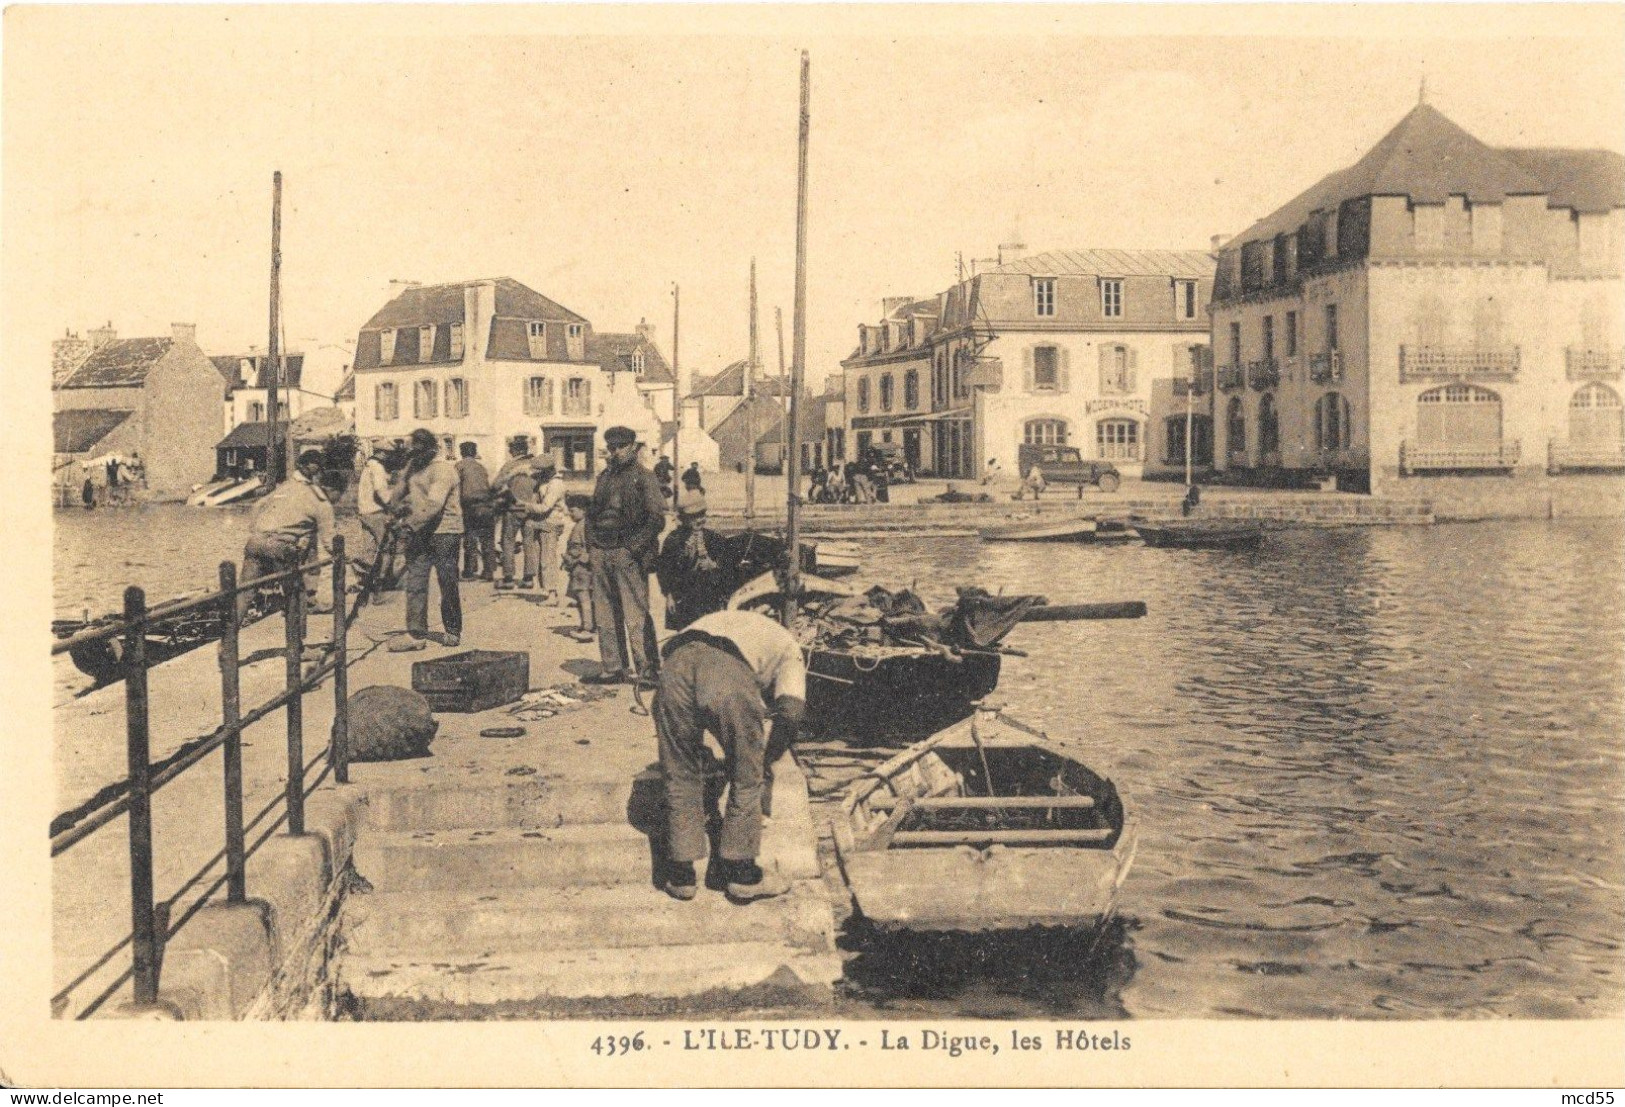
pixel 1525 494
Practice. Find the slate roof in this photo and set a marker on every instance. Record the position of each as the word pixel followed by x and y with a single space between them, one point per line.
pixel 769 416
pixel 78 431
pixel 1427 157
pixel 613 353
pixel 731 382
pixel 903 312
pixel 249 435
pixel 346 388
pixel 122 363
pixel 231 367
pixel 443 303
pixel 1112 263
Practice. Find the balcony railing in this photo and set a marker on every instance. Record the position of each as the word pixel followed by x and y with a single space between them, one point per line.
pixel 1265 373
pixel 1586 364
pixel 1231 377
pixel 1414 458
pixel 1587 455
pixel 1327 367
pixel 1423 363
pixel 1289 369
pixel 1198 385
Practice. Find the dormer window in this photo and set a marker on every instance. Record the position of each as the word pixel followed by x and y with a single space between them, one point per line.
pixel 386 347
pixel 1044 297
pixel 425 344
pixel 576 335
pixel 637 360
pixel 1111 298
pixel 457 342
pixel 536 332
pixel 1184 300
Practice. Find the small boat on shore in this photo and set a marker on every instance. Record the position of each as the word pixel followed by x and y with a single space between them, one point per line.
pixel 1201 534
pixel 984 826
pixel 1061 530
pixel 220 493
pixel 835 558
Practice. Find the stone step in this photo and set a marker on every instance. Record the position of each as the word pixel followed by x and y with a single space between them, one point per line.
pixel 505 857
pixel 618 916
pixel 496 801
pixel 386 987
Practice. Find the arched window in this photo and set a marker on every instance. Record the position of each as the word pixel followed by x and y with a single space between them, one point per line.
pixel 911 388
pixel 425 400
pixel 1458 415
pixel 456 398
pixel 1334 423
pixel 1044 432
pixel 385 403
pixel 863 393
pixel 1235 428
pixel 1118 439
pixel 1269 425
pixel 887 391
pixel 1596 417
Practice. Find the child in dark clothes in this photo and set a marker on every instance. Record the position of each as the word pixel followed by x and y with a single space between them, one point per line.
pixel 579 568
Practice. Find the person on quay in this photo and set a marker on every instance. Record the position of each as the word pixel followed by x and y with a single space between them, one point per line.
pixel 721 673
pixel 991 472
pixel 1034 483
pixel 691 478
pixel 693 582
pixel 479 521
pixel 664 470
pixel 431 516
pixel 543 520
pixel 624 523
pixel 373 493
pixel 578 567
pixel 292 525
pixel 514 492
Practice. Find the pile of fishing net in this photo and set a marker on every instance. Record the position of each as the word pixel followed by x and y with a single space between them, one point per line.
pixel 881 617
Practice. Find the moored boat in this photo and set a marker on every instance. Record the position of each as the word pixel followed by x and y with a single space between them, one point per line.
pixel 1201 534
pixel 226 492
pixel 984 826
pixel 1060 530
pixel 103 658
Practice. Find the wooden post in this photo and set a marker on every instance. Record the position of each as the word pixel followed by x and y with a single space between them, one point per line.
pixel 339 752
pixel 231 710
pixel 784 427
pixel 144 936
pixel 677 392
pixel 294 641
pixel 273 368
pixel 798 354
pixel 749 388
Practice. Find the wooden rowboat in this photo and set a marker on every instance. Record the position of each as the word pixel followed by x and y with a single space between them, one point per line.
pixel 1202 534
pixel 1060 530
pixel 984 826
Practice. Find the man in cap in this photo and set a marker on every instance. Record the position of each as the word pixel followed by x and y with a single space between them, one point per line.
pixel 513 492
pixel 688 568
pixel 545 522
pixel 728 672
pixel 624 523
pixel 432 516
pixel 292 525
pixel 479 523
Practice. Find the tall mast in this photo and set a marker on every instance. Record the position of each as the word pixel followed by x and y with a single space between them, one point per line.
pixel 273 360
pixel 798 355
pixel 784 427
pixel 677 388
pixel 750 404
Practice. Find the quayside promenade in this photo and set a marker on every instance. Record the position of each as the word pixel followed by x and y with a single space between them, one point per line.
pixel 497 877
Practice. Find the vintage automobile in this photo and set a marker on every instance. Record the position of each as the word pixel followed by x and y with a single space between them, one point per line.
pixel 1067 465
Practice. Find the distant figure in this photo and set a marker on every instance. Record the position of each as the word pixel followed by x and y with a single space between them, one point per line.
pixel 691 478
pixel 663 473
pixel 1192 498
pixel 1034 483
pixel 991 473
pixel 431 515
pixel 372 496
pixel 88 493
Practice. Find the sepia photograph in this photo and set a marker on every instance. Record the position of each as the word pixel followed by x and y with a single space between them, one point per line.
pixel 815 545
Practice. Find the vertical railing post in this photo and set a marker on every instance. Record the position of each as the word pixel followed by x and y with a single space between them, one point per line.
pixel 339 752
pixel 231 709
pixel 143 918
pixel 294 626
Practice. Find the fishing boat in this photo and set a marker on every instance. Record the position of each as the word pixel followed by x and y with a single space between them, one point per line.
pixel 1061 530
pixel 1201 534
pixel 835 559
pixel 103 658
pixel 984 826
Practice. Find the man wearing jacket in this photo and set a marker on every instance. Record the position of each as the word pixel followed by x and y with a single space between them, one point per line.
pixel 624 521
pixel 293 525
pixel 479 525
pixel 512 493
pixel 432 517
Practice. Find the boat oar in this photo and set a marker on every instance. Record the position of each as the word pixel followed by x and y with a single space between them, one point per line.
pixel 1075 612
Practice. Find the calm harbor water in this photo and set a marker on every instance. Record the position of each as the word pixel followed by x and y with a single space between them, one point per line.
pixel 1378 773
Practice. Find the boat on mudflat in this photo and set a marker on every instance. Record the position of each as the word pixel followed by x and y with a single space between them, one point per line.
pixel 984 826
pixel 1201 534
pixel 220 493
pixel 1061 530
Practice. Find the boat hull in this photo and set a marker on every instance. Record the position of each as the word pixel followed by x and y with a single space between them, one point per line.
pixel 1061 867
pixel 903 695
pixel 1174 536
pixel 1065 530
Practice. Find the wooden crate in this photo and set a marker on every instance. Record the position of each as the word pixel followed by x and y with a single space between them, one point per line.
pixel 474 680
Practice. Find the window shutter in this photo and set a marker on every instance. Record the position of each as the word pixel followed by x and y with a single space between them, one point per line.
pixel 1105 352
pixel 1027 368
pixel 1063 369
pixel 1130 383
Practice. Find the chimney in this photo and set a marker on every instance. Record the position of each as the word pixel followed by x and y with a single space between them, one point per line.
pixel 891 303
pixel 1215 242
pixel 101 336
pixel 184 332
pixel 646 331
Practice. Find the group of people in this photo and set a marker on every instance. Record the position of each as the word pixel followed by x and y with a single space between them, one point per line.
pixel 727 672
pixel 865 481
pixel 121 478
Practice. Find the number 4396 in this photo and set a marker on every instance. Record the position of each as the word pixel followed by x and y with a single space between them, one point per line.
pixel 611 1045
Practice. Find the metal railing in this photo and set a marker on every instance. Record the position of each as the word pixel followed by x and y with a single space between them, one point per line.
pixel 1230 377
pixel 1264 373
pixel 1586 455
pixel 1587 364
pixel 1326 367
pixel 1433 362
pixel 1490 455
pixel 149 927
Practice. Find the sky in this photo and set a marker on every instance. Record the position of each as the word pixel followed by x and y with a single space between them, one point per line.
pixel 603 156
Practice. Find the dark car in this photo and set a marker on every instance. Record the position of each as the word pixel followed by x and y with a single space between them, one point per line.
pixel 1067 465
